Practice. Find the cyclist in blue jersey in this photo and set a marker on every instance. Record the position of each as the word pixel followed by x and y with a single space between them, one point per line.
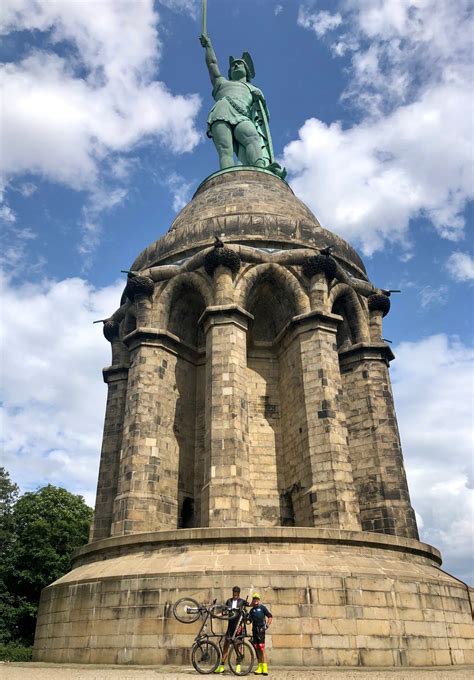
pixel 261 618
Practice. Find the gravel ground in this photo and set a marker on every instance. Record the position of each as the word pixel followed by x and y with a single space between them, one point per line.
pixel 43 671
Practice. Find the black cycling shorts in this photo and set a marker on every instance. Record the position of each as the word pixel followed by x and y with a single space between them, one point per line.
pixel 258 635
pixel 231 626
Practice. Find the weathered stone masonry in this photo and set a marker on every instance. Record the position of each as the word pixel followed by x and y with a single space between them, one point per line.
pixel 250 437
pixel 342 467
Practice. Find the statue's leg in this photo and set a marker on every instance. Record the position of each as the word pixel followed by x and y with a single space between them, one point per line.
pixel 222 136
pixel 247 135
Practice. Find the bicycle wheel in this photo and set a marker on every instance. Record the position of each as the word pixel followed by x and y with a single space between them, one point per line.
pixel 186 610
pixel 205 656
pixel 241 657
pixel 220 611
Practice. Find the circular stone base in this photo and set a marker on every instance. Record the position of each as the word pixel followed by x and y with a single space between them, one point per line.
pixel 337 597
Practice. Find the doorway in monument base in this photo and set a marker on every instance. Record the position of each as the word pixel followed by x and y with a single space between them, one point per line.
pixel 186 307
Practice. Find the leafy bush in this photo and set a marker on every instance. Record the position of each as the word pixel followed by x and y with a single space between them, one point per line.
pixel 39 531
pixel 15 653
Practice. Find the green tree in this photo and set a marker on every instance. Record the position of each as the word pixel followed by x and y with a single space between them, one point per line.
pixel 49 524
pixel 8 495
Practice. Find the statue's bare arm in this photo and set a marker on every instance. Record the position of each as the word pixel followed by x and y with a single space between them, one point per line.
pixel 211 59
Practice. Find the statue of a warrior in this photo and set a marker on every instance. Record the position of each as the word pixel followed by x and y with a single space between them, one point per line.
pixel 238 121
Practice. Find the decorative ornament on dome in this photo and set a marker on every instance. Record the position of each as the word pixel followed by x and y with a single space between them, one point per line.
pixel 379 303
pixel 314 264
pixel 139 285
pixel 111 330
pixel 220 256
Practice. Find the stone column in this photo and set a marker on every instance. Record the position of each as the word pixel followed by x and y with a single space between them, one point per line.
pixel 379 306
pixel 147 498
pixel 332 493
pixel 224 291
pixel 374 441
pixel 226 495
pixel 319 269
pixel 116 378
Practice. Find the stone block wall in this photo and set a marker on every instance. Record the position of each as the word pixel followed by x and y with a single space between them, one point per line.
pixel 297 510
pixel 200 440
pixel 250 389
pixel 116 378
pixel 158 462
pixel 184 429
pixel 374 443
pixel 265 459
pixel 332 493
pixel 302 432
pixel 227 497
pixel 147 495
pixel 351 601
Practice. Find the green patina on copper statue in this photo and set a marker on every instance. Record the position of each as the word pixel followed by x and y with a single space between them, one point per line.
pixel 238 121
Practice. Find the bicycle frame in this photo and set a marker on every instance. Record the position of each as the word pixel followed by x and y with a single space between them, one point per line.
pixel 201 635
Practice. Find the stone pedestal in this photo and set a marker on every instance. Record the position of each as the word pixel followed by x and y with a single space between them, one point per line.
pixel 338 598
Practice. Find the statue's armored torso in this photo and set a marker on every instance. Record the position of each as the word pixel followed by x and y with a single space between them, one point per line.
pixel 233 102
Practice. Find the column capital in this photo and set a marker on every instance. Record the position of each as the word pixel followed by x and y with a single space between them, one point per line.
pixel 115 373
pixel 316 319
pixel 219 315
pixel 363 351
pixel 159 337
pixel 310 321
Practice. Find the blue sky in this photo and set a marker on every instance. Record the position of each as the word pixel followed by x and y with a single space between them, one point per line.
pixel 103 141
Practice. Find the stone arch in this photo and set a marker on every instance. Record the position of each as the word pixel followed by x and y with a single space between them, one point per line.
pixel 257 289
pixel 273 295
pixel 177 309
pixel 180 305
pixel 343 300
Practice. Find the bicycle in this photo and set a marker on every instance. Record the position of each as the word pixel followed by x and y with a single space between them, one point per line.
pixel 206 654
pixel 242 654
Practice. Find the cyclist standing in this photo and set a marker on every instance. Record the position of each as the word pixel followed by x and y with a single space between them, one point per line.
pixel 235 603
pixel 260 618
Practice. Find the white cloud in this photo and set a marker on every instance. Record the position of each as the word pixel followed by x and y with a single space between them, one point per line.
pixel 100 201
pixel 461 266
pixel 190 7
pixel 320 22
pixel 62 126
pixel 7 216
pixel 27 189
pixel 180 189
pixel 66 112
pixel 278 10
pixel 367 182
pixel 430 296
pixel 53 396
pixel 432 382
pixel 410 153
pixel 402 46
pixel 15 253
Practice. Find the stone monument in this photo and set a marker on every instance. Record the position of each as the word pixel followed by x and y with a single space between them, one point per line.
pixel 250 437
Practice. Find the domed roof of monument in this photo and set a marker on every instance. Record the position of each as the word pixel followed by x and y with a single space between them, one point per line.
pixel 248 206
